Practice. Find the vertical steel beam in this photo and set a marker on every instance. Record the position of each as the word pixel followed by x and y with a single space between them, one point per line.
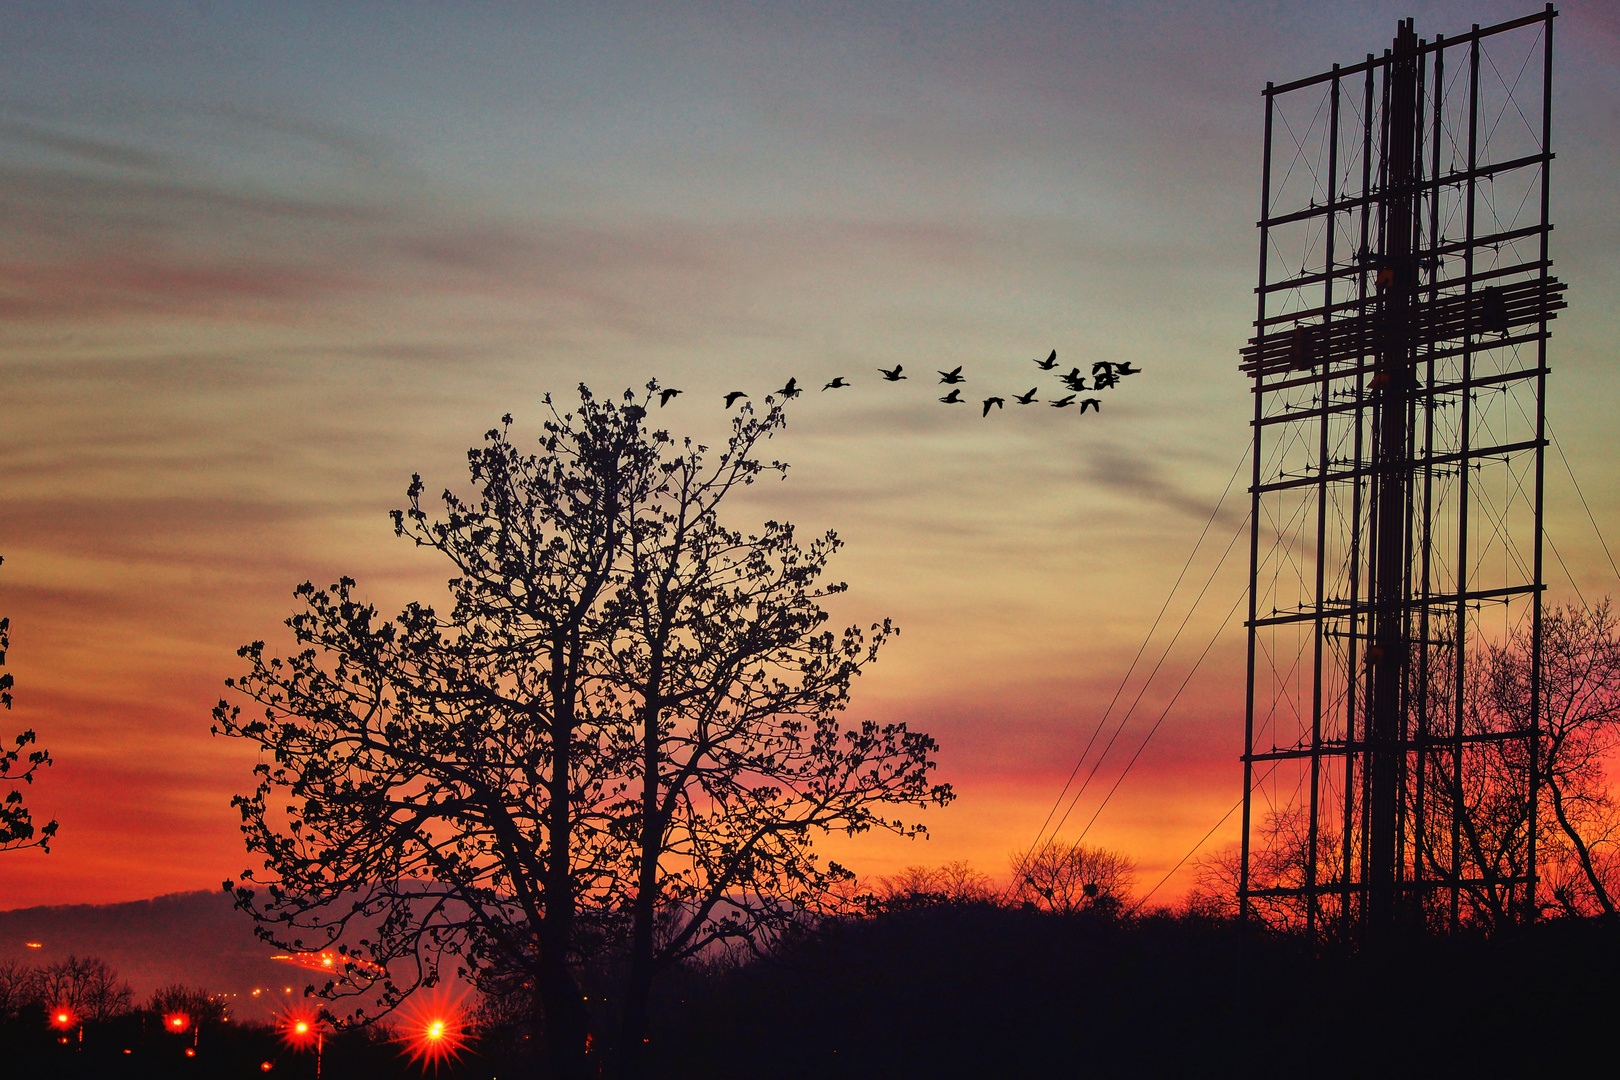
pixel 1420 838
pixel 1374 508
pixel 1540 451
pixel 1410 704
pixel 1313 857
pixel 1459 805
pixel 1392 465
pixel 1254 526
pixel 1353 650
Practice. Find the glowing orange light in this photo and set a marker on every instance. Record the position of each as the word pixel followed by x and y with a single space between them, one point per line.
pixel 265 1066
pixel 432 1032
pixel 300 1028
pixel 191 1051
pixel 33 945
pixel 177 1021
pixel 62 1017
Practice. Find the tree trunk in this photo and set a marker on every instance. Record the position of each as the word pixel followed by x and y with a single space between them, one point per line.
pixel 562 1020
pixel 567 1021
pixel 635 1028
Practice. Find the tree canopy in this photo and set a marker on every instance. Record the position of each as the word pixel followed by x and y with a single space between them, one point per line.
pixel 18 766
pixel 617 746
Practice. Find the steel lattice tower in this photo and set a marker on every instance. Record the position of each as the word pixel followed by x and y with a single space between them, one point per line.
pixel 1398 370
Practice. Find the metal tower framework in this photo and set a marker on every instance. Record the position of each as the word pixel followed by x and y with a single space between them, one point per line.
pixel 1398 372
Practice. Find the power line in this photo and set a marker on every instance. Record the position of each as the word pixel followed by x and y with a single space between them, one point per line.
pixel 1126 718
pixel 1194 850
pixel 1124 680
pixel 1170 705
pixel 1582 496
pixel 1202 840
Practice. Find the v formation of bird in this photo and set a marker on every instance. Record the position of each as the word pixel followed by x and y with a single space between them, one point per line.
pixel 1105 376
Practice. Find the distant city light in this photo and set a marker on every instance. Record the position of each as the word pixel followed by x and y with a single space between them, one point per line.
pixel 33 945
pixel 330 961
pixel 177 1021
pixel 62 1017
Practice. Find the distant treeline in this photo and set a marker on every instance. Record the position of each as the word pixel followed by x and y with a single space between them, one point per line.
pixel 943 987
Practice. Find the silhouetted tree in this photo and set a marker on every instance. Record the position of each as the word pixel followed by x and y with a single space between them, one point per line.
pixel 90 987
pixel 1476 808
pixel 620 741
pixel 17 988
pixel 727 689
pixel 1277 860
pixel 952 883
pixel 1072 877
pixel 196 1004
pixel 1579 821
pixel 16 823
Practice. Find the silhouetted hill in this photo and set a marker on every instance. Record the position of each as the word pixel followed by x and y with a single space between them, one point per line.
pixel 196 938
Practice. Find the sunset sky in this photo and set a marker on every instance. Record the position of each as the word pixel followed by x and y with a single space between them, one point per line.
pixel 261 262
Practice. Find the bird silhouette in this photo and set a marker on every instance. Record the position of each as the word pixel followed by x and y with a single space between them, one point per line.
pixel 1090 403
pixel 666 396
pixel 837 384
pixel 1126 369
pixel 1025 399
pixel 1062 403
pixel 731 398
pixel 1049 363
pixel 893 375
pixel 1102 367
pixel 953 376
pixel 953 398
pixel 791 390
pixel 989 401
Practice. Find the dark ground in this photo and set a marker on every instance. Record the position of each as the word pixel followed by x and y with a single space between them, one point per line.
pixel 983 992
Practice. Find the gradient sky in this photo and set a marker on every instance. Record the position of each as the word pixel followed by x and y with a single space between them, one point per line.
pixel 260 262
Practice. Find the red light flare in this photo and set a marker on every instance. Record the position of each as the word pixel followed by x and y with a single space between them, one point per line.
pixel 63 1018
pixel 433 1031
pixel 300 1028
pixel 176 1021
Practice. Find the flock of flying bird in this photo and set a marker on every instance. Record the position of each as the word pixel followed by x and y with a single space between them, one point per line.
pixel 1104 376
